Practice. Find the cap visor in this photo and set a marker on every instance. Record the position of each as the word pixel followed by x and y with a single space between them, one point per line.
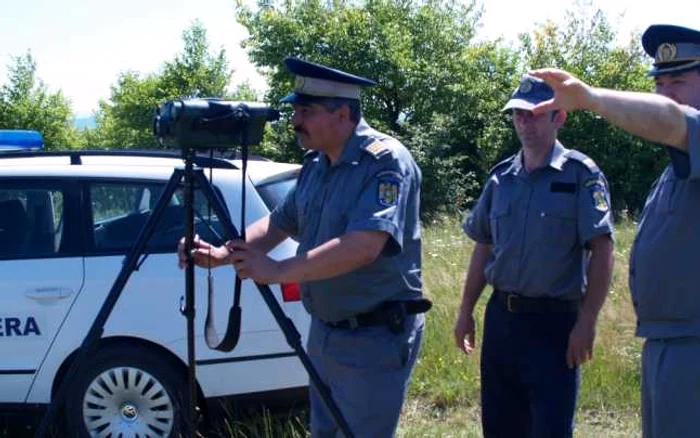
pixel 672 68
pixel 301 99
pixel 519 104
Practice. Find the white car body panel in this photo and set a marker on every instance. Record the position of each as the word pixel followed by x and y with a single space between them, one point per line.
pixel 148 307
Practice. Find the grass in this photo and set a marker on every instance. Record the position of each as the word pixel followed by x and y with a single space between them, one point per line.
pixel 443 398
pixel 444 394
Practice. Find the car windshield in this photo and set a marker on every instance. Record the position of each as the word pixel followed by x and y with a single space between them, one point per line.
pixel 273 193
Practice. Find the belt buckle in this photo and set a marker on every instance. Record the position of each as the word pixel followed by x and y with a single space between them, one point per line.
pixel 509 303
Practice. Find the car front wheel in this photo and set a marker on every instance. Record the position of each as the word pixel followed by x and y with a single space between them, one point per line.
pixel 127 392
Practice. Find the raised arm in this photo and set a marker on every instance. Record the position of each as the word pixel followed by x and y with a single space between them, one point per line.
pixel 650 116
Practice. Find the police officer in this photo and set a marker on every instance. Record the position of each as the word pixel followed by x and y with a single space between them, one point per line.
pixel 664 277
pixel 354 212
pixel 543 239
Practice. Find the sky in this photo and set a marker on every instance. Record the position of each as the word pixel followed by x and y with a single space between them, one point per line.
pixel 80 46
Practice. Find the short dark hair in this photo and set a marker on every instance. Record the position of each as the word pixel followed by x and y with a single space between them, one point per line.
pixel 333 103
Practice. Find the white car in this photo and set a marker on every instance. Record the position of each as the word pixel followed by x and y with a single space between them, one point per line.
pixel 66 222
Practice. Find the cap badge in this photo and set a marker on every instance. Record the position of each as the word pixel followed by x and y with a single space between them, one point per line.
pixel 666 52
pixel 299 83
pixel 525 86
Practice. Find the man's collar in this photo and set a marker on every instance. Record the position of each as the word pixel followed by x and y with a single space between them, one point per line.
pixel 556 159
pixel 361 135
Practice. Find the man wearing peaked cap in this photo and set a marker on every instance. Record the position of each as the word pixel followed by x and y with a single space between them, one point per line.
pixel 543 232
pixel 355 213
pixel 664 277
pixel 315 81
pixel 675 49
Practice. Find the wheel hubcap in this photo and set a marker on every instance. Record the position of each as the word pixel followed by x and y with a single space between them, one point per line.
pixel 129 412
pixel 127 401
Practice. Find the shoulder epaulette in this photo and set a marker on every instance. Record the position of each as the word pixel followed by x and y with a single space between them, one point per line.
pixel 376 148
pixel 583 159
pixel 508 161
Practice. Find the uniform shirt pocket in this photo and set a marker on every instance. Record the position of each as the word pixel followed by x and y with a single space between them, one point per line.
pixel 501 218
pixel 555 226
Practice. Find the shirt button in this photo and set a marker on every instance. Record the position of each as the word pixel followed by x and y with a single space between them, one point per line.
pixel 542 214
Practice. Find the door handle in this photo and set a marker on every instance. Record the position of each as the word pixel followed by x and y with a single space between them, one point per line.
pixel 49 293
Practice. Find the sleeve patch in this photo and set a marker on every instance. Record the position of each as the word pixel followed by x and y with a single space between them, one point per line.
pixel 599 195
pixel 388 192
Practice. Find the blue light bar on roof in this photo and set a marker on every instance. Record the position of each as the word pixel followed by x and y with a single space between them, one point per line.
pixel 20 140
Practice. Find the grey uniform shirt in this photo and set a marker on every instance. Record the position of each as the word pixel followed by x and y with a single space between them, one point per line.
pixel 664 265
pixel 539 223
pixel 375 186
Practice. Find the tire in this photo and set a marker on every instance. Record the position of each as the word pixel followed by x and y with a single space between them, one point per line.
pixel 127 391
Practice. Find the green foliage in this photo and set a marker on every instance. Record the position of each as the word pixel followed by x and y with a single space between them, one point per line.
pixel 441 92
pixel 437 92
pixel 25 103
pixel 125 120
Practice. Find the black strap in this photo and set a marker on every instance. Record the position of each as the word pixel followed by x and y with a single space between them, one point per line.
pixel 233 328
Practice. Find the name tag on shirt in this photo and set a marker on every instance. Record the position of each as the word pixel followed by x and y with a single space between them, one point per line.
pixel 562 187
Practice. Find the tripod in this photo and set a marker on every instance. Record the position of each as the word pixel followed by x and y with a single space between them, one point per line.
pixel 193 178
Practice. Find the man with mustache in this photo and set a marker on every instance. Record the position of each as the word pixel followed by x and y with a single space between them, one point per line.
pixel 354 212
pixel 664 274
pixel 543 232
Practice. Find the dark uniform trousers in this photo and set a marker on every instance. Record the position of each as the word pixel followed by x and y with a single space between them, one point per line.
pixel 527 388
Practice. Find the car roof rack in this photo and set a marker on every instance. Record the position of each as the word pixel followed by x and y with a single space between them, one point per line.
pixel 201 159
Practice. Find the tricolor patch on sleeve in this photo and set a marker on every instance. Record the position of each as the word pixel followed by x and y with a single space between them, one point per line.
pixel 599 194
pixel 388 192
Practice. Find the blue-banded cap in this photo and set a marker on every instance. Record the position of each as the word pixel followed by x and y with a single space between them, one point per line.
pixel 674 48
pixel 316 81
pixel 529 93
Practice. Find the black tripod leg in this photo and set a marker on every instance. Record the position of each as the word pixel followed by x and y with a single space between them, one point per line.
pixel 189 309
pixel 97 328
pixel 286 325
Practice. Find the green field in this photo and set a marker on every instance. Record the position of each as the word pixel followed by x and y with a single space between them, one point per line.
pixel 444 395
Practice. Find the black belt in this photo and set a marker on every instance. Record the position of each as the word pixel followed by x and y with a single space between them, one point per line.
pixel 390 313
pixel 519 304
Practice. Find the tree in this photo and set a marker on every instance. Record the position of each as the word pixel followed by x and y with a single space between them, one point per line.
pixel 25 103
pixel 126 120
pixel 437 88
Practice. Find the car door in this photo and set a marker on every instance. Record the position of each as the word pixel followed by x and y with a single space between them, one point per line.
pixel 41 274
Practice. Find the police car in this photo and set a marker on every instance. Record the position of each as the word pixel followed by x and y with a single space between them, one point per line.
pixel 67 219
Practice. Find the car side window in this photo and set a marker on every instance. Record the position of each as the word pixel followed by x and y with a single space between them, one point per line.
pixel 120 210
pixel 31 221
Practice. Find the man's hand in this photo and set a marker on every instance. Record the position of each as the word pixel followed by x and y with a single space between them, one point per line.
pixel 581 340
pixel 203 254
pixel 253 264
pixel 464 331
pixel 570 93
